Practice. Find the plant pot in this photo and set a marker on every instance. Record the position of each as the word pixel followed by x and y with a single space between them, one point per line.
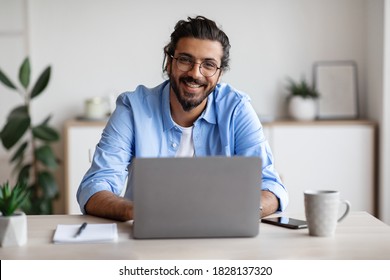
pixel 302 109
pixel 13 230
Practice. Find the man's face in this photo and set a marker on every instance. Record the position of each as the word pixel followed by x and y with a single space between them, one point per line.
pixel 190 87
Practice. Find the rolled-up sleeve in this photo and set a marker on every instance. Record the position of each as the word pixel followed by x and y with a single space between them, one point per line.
pixel 109 168
pixel 270 178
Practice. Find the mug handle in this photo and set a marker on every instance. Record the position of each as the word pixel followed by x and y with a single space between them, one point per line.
pixel 347 208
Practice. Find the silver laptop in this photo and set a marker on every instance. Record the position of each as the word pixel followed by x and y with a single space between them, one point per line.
pixel 196 197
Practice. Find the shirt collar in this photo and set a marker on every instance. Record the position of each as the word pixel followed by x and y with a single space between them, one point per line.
pixel 209 114
pixel 166 108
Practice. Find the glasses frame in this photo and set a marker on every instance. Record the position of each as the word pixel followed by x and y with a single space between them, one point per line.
pixel 192 67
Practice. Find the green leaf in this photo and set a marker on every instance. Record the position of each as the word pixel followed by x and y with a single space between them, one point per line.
pixel 45 133
pixel 41 83
pixel 4 79
pixel 19 152
pixel 24 73
pixel 48 184
pixel 26 205
pixel 20 192
pixel 46 121
pixel 24 173
pixel 40 206
pixel 20 111
pixel 17 124
pixel 45 155
pixel 35 207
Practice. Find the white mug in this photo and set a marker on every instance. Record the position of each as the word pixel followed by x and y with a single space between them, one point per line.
pixel 322 211
pixel 96 108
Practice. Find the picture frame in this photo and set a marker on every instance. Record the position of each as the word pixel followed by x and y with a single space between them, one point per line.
pixel 336 82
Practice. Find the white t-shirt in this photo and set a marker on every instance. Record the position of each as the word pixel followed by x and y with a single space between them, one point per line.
pixel 186 147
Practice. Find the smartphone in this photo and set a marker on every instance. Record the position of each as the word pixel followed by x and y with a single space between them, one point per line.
pixel 285 222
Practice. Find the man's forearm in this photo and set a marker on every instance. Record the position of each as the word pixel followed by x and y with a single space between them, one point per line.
pixel 269 203
pixel 108 205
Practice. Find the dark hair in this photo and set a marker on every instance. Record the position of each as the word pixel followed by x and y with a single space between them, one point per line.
pixel 199 28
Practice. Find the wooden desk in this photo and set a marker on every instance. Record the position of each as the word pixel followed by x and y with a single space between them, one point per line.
pixel 359 236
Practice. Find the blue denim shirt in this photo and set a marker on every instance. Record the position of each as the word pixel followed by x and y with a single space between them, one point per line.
pixel 142 126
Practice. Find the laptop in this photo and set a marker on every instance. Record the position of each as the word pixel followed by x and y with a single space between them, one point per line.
pixel 198 197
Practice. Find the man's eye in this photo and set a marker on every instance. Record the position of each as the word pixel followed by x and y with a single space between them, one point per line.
pixel 185 60
pixel 209 65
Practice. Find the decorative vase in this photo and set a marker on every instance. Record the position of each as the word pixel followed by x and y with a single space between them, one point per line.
pixel 302 109
pixel 13 230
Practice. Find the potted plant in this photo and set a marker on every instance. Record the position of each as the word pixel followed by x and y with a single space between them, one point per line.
pixel 302 103
pixel 33 157
pixel 13 222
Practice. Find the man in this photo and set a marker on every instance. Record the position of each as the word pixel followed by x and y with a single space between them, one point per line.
pixel 190 114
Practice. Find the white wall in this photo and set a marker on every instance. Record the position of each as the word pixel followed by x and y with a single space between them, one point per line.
pixel 102 47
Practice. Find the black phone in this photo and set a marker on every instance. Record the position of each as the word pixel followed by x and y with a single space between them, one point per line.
pixel 285 222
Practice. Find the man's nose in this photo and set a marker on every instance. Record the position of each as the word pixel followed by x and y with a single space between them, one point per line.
pixel 195 71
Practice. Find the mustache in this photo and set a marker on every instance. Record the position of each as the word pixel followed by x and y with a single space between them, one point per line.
pixel 192 80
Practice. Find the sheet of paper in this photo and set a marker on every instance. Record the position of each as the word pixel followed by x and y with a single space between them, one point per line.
pixel 93 233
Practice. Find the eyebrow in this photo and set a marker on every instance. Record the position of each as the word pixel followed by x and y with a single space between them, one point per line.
pixel 191 56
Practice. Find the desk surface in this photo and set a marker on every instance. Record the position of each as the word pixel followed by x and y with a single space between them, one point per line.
pixel 359 236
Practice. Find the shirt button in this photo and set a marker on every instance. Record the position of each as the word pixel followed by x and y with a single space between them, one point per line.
pixel 174 145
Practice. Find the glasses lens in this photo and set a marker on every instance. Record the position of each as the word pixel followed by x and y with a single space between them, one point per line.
pixel 184 63
pixel 208 68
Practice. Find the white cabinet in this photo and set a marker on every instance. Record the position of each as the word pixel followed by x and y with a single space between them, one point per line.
pixel 326 155
pixel 308 155
pixel 80 142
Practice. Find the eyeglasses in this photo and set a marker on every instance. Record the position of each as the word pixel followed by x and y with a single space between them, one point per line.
pixel 206 68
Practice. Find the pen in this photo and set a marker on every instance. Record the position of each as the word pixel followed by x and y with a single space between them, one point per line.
pixel 80 230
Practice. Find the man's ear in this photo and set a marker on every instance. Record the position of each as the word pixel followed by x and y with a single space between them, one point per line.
pixel 168 66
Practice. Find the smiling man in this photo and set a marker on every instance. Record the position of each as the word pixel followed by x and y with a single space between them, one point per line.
pixel 191 114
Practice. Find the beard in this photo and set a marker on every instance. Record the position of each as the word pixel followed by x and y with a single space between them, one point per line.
pixel 189 100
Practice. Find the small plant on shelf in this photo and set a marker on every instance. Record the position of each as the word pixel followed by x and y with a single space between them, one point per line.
pixel 302 89
pixel 11 199
pixel 302 100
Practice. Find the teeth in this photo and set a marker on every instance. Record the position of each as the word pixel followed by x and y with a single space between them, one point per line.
pixel 193 85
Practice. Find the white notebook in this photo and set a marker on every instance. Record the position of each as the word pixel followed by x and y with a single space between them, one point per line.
pixel 93 233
